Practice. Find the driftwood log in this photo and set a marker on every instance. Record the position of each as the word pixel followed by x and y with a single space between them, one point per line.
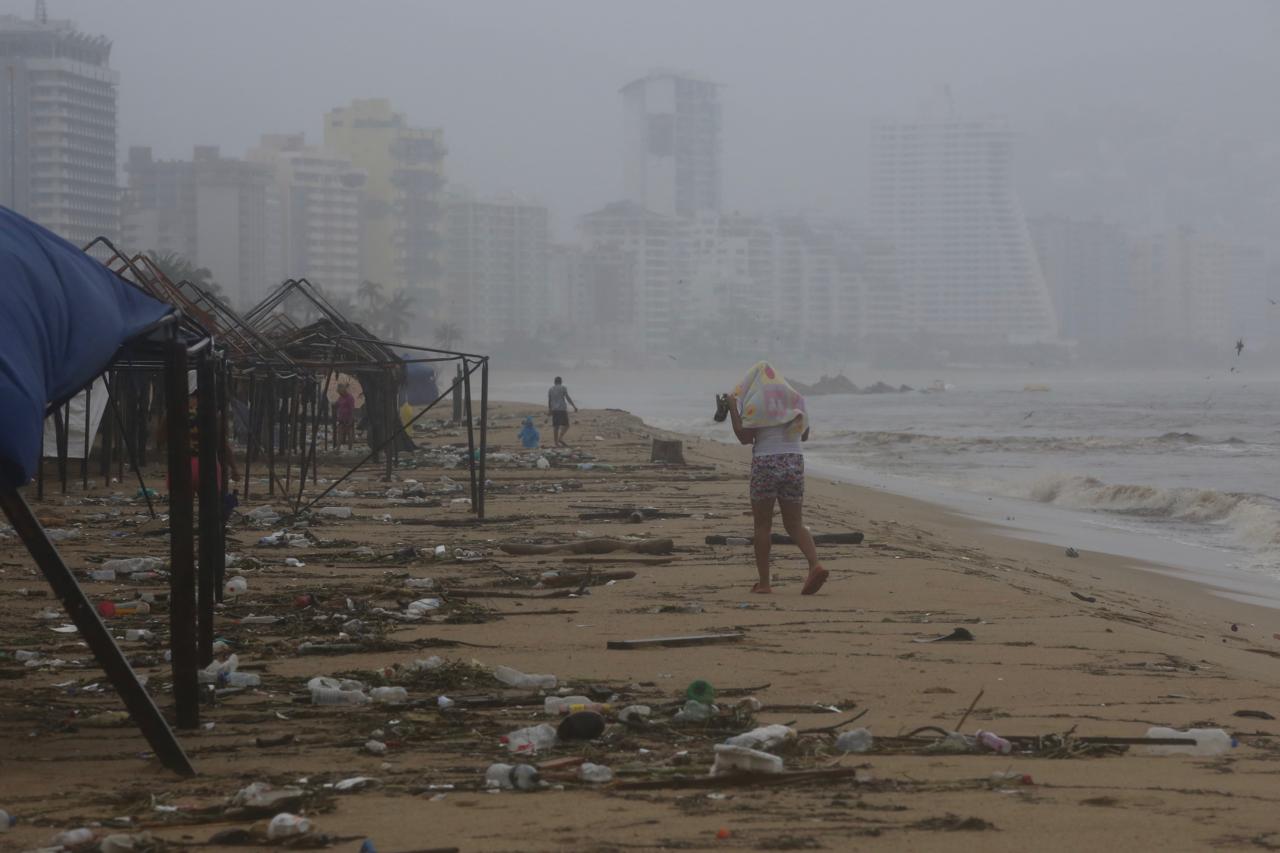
pixel 592 546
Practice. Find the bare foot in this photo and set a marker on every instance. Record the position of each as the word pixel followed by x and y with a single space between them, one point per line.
pixel 761 588
pixel 813 583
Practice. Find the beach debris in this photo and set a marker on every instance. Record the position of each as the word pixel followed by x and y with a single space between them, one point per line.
pixel 595 773
pixel 286 825
pixel 700 690
pixel 530 739
pixel 515 678
pixel 1202 742
pixel 856 740
pixel 561 705
pixel 694 711
pixel 263 798
pixel 667 451
pixel 508 777
pixel 993 742
pixel 686 640
pixel 765 738
pixel 1072 552
pixel 581 725
pixel 1257 715
pixel 732 759
pixel 80 838
pixel 958 635
pixel 592 546
pixel 1088 598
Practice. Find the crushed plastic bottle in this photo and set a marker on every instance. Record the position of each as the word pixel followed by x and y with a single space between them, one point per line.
pixel 764 738
pixel 74 839
pixel 507 777
pixel 993 742
pixel 731 758
pixel 554 705
pixel 389 695
pixel 542 464
pixel 130 565
pixel 375 747
pixel 515 678
pixel 596 773
pixel 423 606
pixel 428 664
pixel 856 740
pixel 285 825
pixel 111 609
pixel 1207 741
pixel 531 739
pixel 334 511
pixel 136 634
pixel 102 574
pixel 330 691
pixel 634 713
pixel 695 712
pixel 237 585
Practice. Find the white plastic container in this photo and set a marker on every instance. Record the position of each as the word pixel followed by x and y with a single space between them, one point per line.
pixel 730 759
pixel 531 739
pixel 1208 742
pixel 516 678
pixel 236 586
pixel 764 738
pixel 389 695
pixel 596 773
pixel 856 740
pixel 285 825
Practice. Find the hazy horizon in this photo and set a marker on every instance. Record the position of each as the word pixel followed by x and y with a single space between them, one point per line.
pixel 1150 114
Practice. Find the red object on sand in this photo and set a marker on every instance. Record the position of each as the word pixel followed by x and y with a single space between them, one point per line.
pixel 106 609
pixel 723 833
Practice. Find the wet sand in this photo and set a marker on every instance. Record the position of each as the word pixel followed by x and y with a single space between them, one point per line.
pixel 1150 650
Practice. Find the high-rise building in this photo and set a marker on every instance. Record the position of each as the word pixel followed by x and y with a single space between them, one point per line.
pixel 403 193
pixel 943 195
pixel 671 138
pixel 58 127
pixel 211 210
pixel 1086 267
pixel 316 201
pixel 659 250
pixel 496 253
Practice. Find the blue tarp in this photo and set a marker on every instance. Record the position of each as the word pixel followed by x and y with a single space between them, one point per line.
pixel 63 316
pixel 420 386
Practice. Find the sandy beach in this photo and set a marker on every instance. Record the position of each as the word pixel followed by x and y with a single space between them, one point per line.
pixel 1087 646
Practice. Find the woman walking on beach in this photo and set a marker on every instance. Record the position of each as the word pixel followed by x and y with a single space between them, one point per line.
pixel 769 415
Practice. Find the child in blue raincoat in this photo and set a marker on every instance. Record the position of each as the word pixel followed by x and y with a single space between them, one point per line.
pixel 529 436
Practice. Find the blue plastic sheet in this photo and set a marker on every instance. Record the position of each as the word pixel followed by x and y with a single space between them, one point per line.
pixel 63 316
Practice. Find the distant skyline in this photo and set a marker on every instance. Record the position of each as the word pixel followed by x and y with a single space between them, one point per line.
pixel 1149 112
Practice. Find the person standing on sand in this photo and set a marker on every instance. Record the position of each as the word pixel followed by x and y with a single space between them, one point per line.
pixel 769 415
pixel 346 415
pixel 558 403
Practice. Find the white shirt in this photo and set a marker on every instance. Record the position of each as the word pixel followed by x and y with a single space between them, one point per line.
pixel 775 440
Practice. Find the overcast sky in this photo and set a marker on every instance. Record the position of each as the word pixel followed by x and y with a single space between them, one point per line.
pixel 1149 112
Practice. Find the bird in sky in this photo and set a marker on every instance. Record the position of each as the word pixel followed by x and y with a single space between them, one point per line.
pixel 1239 346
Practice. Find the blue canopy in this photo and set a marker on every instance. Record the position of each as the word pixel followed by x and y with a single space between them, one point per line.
pixel 63 316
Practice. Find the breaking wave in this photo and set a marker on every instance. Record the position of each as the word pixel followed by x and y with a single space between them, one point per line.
pixel 1033 444
pixel 1253 520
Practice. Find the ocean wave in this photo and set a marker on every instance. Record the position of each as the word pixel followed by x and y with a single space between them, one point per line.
pixel 1253 520
pixel 891 440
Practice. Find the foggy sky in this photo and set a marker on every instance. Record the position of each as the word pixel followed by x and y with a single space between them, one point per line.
pixel 1147 112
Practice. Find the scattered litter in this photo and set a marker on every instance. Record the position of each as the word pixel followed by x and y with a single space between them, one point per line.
pixel 959 634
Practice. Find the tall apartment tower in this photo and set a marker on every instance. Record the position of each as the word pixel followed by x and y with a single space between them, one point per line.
pixel 671 139
pixel 403 193
pixel 496 253
pixel 943 196
pixel 211 210
pixel 315 207
pixel 58 127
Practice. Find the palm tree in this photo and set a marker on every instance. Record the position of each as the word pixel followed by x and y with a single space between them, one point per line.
pixel 447 334
pixel 395 316
pixel 177 268
pixel 370 294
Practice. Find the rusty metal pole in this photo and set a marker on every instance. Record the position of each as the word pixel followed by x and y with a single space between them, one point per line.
pixel 182 580
pixel 209 489
pixel 471 435
pixel 484 431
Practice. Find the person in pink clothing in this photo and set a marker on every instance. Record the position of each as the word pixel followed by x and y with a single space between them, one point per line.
pixel 345 409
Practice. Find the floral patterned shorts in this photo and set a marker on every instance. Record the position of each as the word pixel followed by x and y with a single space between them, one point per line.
pixel 778 476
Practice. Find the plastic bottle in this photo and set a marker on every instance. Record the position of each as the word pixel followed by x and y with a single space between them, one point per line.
pixel 596 773
pixel 102 574
pixel 694 712
pixel 335 511
pixel 24 655
pixel 565 704
pixel 73 838
pixel 857 740
pixel 1207 741
pixel 531 739
pixel 764 737
pixel 993 742
pixel 285 825
pixel 129 565
pixel 731 758
pixel 516 678
pixel 520 777
pixel 634 713
pixel 7 821
pixel 243 679
pixel 110 609
pixel 236 586
pixel 389 695
pixel 420 583
pixel 259 620
pixel 337 696
pixel 134 634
